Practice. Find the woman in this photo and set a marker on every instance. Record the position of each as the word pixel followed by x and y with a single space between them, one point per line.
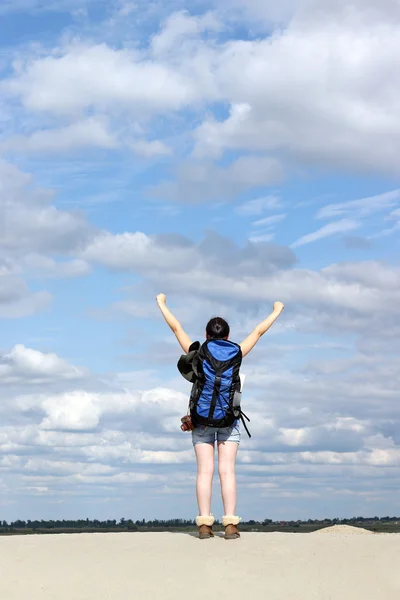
pixel 228 438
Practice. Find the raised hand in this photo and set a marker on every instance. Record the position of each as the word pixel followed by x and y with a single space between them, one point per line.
pixel 279 306
pixel 161 299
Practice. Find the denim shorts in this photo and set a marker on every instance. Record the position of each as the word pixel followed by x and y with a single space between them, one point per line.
pixel 207 435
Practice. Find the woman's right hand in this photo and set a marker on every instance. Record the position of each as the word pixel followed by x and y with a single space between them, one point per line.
pixel 161 299
pixel 278 307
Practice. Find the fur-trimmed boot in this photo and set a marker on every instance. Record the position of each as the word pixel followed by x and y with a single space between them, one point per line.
pixel 205 527
pixel 230 522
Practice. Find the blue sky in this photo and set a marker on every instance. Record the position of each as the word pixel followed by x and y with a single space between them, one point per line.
pixel 230 155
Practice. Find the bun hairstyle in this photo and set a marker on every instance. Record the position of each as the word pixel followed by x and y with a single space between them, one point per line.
pixel 217 329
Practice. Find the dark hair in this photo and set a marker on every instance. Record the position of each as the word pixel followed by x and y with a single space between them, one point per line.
pixel 217 329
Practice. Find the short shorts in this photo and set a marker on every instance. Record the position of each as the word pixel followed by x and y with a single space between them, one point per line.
pixel 208 435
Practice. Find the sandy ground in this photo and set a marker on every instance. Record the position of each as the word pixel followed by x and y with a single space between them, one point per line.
pixel 274 566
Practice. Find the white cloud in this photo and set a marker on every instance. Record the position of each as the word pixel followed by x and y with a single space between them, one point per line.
pixel 269 224
pixel 29 6
pixel 373 274
pixel 17 300
pixel 28 220
pixel 386 232
pixel 27 365
pixel 97 441
pixel 338 298
pixel 40 228
pixel 363 207
pixel 314 294
pixel 82 76
pixel 332 229
pixel 82 135
pixel 150 149
pixel 181 28
pixel 335 108
pixel 89 133
pixel 199 182
pixel 264 237
pixel 258 206
pixel 135 251
pixel 270 221
pixel 173 254
pixel 43 266
pixel 31 228
pixel 263 14
pixel 120 438
pixel 75 411
pixel 39 265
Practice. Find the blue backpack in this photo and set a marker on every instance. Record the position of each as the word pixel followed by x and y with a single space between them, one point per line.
pixel 213 368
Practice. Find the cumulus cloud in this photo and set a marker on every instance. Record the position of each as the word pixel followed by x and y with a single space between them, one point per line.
pixel 36 240
pixel 198 182
pixel 340 299
pixel 324 108
pixel 81 134
pixel 41 266
pixel 169 254
pixel 264 269
pixel 25 365
pixel 42 5
pixel 75 412
pixel 150 149
pixel 83 76
pixel 181 29
pixel 84 439
pixel 336 108
pixel 17 300
pixel 264 14
pixel 30 222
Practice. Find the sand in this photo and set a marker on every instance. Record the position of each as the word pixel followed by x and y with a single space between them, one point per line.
pixel 343 530
pixel 347 565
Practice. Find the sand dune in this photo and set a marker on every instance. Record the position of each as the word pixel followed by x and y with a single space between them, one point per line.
pixel 142 566
pixel 343 530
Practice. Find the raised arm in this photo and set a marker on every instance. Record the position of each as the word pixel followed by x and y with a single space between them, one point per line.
pixel 174 324
pixel 249 343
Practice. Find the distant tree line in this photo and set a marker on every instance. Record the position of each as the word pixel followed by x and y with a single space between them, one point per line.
pixel 173 524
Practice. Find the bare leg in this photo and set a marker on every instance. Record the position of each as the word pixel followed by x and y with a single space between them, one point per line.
pixel 205 473
pixel 227 452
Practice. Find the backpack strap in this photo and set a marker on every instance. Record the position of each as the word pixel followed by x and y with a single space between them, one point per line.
pixel 242 417
pixel 217 387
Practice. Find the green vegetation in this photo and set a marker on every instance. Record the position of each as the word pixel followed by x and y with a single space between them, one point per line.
pixel 378 524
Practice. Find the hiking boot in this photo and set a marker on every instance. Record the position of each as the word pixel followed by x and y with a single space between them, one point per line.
pixel 231 530
pixel 205 532
pixel 205 527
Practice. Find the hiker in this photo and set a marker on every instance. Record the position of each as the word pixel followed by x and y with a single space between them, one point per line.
pixel 215 409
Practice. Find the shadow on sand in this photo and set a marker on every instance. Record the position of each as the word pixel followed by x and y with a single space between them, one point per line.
pixel 194 534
